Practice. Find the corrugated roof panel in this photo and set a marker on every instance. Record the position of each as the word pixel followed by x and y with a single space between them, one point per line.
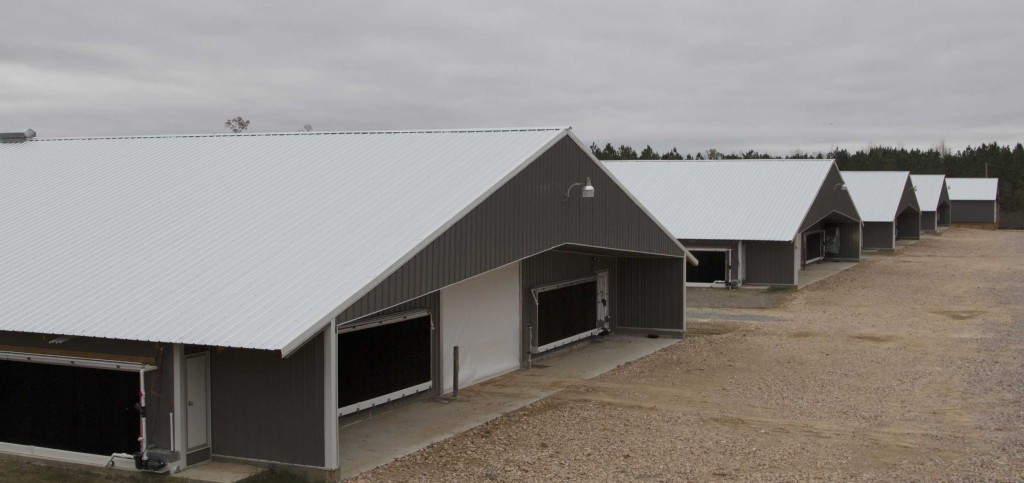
pixel 929 189
pixel 973 189
pixel 876 194
pixel 221 239
pixel 726 200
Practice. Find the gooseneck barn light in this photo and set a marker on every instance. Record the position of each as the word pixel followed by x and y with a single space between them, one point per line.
pixel 839 186
pixel 587 192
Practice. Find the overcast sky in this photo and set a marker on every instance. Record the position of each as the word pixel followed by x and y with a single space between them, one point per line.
pixel 731 75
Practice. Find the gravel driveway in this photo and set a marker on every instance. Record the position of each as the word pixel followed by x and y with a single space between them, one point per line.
pixel 909 367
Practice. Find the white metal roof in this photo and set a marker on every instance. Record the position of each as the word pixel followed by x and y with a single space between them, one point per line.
pixel 876 194
pixel 221 239
pixel 929 189
pixel 726 200
pixel 973 189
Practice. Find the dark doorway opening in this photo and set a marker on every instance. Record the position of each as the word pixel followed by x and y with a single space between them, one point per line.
pixel 713 266
pixel 69 408
pixel 566 312
pixel 381 360
pixel 814 246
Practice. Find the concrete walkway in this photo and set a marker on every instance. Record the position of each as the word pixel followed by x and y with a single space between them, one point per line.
pixel 368 443
pixel 817 272
pixel 217 472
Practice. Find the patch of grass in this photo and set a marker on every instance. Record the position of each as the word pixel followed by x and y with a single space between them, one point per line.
pixel 12 469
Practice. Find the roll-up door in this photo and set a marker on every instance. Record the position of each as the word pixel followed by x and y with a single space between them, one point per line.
pixel 566 313
pixel 63 407
pixel 383 360
pixel 481 317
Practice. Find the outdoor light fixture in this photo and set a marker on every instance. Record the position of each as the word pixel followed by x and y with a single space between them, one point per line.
pixel 588 190
pixel 840 187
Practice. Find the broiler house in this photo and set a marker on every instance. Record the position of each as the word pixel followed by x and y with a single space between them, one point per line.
pixel 756 222
pixel 258 286
pixel 975 202
pixel 888 205
pixel 933 197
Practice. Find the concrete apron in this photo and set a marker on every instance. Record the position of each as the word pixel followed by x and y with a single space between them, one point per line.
pixel 819 271
pixel 218 472
pixel 369 443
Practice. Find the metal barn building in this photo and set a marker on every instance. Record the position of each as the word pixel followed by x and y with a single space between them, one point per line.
pixel 933 197
pixel 888 206
pixel 749 222
pixel 258 286
pixel 975 201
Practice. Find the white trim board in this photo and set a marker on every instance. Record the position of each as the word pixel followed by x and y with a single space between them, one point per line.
pixel 62 455
pixel 75 362
pixel 568 340
pixel 369 403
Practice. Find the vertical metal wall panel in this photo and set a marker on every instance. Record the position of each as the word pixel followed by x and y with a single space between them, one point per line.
pixel 524 217
pixel 971 211
pixel 264 407
pixel 929 221
pixel 733 245
pixel 769 262
pixel 651 294
pixel 159 383
pixel 879 235
pixel 849 241
pixel 830 200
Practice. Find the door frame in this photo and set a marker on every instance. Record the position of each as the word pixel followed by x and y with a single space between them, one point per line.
pixel 821 247
pixel 209 415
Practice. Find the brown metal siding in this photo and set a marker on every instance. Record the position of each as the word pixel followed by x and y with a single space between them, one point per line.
pixel 524 217
pixel 733 245
pixel 830 200
pixel 264 407
pixel 878 235
pixel 973 211
pixel 769 262
pixel 159 383
pixel 651 293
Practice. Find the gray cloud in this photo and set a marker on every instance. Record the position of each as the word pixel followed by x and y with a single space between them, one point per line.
pixel 774 76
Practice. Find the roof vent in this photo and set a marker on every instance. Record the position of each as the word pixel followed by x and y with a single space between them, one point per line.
pixel 17 137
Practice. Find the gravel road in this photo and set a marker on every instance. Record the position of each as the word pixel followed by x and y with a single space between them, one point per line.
pixel 908 367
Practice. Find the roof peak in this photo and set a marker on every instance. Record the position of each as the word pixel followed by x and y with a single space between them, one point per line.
pixel 312 133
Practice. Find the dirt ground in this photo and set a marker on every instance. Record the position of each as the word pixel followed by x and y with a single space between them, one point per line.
pixel 909 367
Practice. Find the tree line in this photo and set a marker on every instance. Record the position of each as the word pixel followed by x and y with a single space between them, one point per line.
pixel 985 160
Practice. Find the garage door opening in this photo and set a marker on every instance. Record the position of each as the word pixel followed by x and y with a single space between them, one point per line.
pixel 70 408
pixel 382 360
pixel 713 267
pixel 566 312
pixel 814 246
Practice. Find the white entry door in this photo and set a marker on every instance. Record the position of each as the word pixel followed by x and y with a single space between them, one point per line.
pixel 197 371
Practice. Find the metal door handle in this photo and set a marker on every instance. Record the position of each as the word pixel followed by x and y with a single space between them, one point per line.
pixel 190 403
